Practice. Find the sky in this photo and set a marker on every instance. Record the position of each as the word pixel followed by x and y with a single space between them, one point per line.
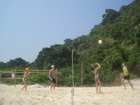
pixel 27 26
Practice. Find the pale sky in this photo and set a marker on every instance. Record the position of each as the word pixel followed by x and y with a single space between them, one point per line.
pixel 27 26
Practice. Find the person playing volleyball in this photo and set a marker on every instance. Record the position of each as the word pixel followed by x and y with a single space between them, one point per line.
pixel 125 76
pixel 96 77
pixel 53 76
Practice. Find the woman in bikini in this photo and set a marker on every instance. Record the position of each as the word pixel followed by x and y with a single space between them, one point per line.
pixel 96 77
pixel 25 76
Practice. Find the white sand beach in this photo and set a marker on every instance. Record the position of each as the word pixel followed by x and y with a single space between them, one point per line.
pixel 39 95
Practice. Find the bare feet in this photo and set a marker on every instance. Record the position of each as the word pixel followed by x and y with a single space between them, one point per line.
pixel 100 92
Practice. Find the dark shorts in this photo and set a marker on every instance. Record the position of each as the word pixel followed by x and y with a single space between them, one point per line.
pixel 53 80
pixel 97 78
pixel 126 77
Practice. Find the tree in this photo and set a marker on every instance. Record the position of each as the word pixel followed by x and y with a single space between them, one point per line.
pixel 18 62
pixel 57 54
pixel 3 65
pixel 122 8
pixel 68 41
pixel 109 16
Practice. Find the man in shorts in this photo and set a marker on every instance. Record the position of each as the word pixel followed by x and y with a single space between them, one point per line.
pixel 53 76
pixel 125 76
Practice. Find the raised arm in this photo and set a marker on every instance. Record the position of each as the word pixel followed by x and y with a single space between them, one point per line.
pixel 99 66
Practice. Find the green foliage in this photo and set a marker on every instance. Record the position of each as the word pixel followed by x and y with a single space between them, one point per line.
pixel 68 41
pixel 39 78
pixel 57 54
pixel 3 65
pixel 64 77
pixel 18 62
pixel 109 16
pixel 12 64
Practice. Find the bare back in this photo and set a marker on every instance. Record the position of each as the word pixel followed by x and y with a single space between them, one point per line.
pixel 26 73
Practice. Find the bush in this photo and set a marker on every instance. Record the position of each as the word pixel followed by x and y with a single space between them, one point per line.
pixel 39 78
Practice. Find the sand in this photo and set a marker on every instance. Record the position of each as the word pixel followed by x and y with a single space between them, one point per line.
pixel 40 95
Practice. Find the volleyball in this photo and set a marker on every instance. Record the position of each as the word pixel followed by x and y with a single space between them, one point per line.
pixel 100 41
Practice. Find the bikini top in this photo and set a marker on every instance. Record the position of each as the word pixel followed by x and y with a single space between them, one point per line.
pixel 95 73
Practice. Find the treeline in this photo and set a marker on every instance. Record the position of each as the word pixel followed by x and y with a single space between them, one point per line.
pixel 120 32
pixel 14 63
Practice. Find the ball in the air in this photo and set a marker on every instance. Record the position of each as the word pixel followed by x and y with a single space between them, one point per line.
pixel 100 41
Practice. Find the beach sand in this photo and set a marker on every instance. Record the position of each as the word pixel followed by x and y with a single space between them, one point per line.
pixel 40 95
